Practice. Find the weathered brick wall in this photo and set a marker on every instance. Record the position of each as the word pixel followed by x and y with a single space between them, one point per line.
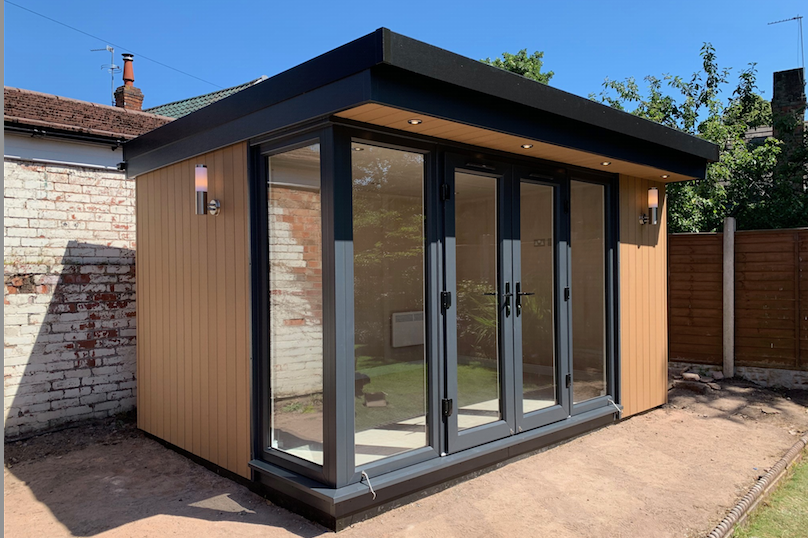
pixel 296 304
pixel 69 298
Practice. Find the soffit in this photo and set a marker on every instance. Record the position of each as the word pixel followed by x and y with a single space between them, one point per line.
pixel 396 118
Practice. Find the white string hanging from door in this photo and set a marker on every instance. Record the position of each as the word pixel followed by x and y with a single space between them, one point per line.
pixel 370 486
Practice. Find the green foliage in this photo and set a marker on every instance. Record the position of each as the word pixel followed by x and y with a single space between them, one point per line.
pixel 522 64
pixel 761 185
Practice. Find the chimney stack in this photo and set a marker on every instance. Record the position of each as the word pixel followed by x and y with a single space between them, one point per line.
pixel 788 103
pixel 127 96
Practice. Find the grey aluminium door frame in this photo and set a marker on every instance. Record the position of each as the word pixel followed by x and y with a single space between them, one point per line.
pixel 501 173
pixel 555 178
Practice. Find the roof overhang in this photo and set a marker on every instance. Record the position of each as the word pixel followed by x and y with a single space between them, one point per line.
pixel 405 76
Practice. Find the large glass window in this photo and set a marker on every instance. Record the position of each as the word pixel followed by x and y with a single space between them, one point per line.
pixel 588 246
pixel 296 303
pixel 388 241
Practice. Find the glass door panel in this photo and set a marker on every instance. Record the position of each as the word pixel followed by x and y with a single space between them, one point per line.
pixel 588 274
pixel 478 340
pixel 478 327
pixel 536 297
pixel 539 340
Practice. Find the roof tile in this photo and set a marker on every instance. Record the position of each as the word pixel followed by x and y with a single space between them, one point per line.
pixel 26 107
pixel 178 109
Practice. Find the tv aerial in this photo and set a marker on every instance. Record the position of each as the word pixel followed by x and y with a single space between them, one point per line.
pixel 801 52
pixel 110 68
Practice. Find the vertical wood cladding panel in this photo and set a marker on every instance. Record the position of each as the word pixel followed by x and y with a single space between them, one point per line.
pixel 643 299
pixel 193 363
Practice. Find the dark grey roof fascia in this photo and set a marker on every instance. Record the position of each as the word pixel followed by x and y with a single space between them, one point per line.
pixel 386 47
pixel 334 65
pixel 425 59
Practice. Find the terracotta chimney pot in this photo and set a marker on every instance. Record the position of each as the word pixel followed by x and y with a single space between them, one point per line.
pixel 127 96
pixel 128 71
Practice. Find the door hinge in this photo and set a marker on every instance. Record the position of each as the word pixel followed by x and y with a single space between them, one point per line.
pixel 446 407
pixel 445 192
pixel 568 380
pixel 567 294
pixel 445 300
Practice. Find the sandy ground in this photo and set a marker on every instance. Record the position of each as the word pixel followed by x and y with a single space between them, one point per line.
pixel 674 471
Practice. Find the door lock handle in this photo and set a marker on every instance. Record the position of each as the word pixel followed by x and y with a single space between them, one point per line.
pixel 519 295
pixel 507 298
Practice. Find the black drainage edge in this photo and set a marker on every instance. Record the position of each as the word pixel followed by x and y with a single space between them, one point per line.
pixel 759 491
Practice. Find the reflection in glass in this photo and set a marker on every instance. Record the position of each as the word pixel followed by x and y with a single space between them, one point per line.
pixel 588 246
pixel 388 241
pixel 477 319
pixel 296 303
pixel 537 247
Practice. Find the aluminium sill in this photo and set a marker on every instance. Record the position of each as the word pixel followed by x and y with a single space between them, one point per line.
pixel 389 480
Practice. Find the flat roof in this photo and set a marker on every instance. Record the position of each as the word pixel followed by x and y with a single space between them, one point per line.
pixel 391 69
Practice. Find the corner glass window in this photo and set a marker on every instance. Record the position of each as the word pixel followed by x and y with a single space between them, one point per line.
pixel 295 303
pixel 390 360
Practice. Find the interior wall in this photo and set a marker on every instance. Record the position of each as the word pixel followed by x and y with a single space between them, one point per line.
pixel 643 299
pixel 193 354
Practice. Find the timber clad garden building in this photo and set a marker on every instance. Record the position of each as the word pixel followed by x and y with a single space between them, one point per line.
pixel 392 266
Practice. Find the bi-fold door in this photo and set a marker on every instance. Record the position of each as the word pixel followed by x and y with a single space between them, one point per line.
pixel 505 304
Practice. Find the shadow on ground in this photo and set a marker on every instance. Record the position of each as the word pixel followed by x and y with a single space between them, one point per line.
pixel 742 401
pixel 103 475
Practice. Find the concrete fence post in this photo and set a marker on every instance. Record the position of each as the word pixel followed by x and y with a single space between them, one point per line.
pixel 729 297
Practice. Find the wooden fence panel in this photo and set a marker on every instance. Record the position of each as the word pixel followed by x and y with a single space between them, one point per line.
pixel 767 298
pixel 802 298
pixel 771 298
pixel 695 303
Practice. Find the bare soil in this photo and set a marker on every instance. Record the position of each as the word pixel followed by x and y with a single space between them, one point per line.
pixel 674 471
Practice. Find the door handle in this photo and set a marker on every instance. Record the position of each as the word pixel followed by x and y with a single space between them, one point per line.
pixel 507 298
pixel 519 295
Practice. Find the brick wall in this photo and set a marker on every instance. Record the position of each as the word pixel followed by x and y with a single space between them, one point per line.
pixel 69 298
pixel 296 302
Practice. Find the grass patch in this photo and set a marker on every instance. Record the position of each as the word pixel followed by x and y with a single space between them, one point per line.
pixel 785 514
pixel 404 384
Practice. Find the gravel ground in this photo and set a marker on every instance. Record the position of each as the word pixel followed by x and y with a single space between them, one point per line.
pixel 674 471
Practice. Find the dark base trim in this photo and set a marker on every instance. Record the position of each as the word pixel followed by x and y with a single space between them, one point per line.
pixel 340 508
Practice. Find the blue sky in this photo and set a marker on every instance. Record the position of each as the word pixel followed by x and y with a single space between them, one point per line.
pixel 233 41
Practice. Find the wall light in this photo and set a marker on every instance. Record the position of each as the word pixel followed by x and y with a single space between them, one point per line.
pixel 653 207
pixel 201 188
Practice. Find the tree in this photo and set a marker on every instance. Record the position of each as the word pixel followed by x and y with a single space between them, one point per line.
pixel 749 181
pixel 522 64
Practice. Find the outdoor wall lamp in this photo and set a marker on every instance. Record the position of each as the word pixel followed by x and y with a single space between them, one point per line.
pixel 653 207
pixel 201 188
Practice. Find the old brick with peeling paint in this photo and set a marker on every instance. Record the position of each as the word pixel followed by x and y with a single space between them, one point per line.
pixel 69 294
